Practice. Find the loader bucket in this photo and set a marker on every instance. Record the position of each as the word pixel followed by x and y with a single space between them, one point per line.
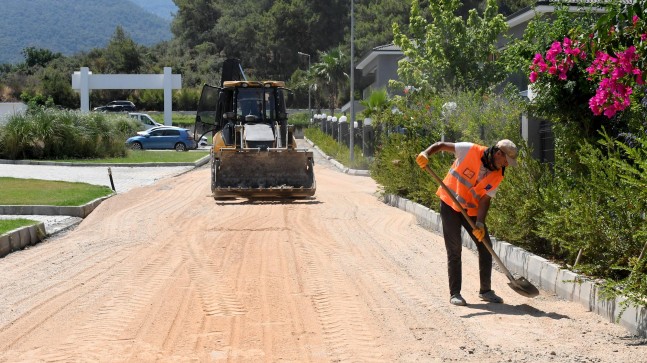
pixel 262 174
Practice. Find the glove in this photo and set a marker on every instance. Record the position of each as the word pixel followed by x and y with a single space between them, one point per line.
pixel 479 231
pixel 422 160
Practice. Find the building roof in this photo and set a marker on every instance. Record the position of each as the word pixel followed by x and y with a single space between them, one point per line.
pixel 387 49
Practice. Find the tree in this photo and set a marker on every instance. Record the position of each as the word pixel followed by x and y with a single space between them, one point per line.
pixel 195 21
pixel 290 32
pixel 376 103
pixel 331 72
pixel 374 20
pixel 449 51
pixel 38 56
pixel 122 53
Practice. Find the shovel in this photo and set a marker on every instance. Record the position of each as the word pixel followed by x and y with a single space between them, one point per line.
pixel 520 285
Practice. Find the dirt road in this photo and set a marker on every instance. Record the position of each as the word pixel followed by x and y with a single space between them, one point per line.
pixel 164 273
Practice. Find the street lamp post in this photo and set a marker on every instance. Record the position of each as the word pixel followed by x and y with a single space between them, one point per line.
pixel 309 85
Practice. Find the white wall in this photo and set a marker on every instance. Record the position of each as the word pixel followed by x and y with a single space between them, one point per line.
pixel 9 108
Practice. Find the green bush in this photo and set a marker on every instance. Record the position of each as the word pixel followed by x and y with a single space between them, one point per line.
pixel 299 119
pixel 186 99
pixel 517 209
pixel 600 212
pixel 53 134
pixel 396 170
pixel 336 150
pixel 151 99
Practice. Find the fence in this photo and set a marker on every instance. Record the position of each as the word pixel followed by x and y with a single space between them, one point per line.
pixel 339 129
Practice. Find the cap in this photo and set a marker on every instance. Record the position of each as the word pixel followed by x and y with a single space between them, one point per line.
pixel 509 149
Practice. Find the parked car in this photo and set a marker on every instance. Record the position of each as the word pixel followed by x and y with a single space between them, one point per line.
pixel 164 137
pixel 204 141
pixel 144 119
pixel 152 129
pixel 117 106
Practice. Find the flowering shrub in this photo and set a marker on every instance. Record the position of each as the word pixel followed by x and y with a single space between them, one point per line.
pixel 616 72
pixel 616 76
pixel 561 57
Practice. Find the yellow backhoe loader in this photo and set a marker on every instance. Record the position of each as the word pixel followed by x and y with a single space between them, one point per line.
pixel 254 152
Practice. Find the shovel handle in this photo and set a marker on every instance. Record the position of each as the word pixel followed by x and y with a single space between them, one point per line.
pixel 487 241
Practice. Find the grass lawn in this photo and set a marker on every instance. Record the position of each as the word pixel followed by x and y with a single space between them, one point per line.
pixel 179 120
pixel 147 156
pixel 47 192
pixel 7 225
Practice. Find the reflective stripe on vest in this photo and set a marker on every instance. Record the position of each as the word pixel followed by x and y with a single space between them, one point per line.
pixel 461 180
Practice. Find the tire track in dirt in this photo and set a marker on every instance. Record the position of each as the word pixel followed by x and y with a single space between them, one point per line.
pixel 340 314
pixel 128 317
pixel 218 298
pixel 105 328
pixel 52 301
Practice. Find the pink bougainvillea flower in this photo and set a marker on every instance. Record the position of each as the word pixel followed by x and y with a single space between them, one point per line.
pixel 533 77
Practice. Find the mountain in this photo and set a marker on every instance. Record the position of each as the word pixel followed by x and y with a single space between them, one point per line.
pixel 71 26
pixel 162 8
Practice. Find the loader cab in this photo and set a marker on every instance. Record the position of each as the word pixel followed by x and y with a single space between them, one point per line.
pixel 258 101
pixel 239 103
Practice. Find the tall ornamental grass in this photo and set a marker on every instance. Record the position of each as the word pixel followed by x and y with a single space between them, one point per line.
pixel 56 134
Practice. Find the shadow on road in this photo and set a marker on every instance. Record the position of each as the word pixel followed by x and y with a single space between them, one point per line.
pixel 259 201
pixel 505 309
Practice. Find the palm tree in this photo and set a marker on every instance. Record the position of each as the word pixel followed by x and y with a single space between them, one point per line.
pixel 330 71
pixel 376 102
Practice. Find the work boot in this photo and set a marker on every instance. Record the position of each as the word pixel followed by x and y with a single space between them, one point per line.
pixel 490 296
pixel 458 300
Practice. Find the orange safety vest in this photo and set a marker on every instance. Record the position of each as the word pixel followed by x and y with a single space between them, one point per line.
pixel 461 179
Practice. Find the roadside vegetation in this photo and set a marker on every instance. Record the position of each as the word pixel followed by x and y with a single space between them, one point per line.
pixel 337 150
pixel 178 119
pixel 591 201
pixel 47 133
pixel 72 136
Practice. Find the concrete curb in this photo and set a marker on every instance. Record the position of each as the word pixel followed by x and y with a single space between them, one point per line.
pixel 52 210
pixel 196 164
pixel 542 273
pixel 337 164
pixel 20 238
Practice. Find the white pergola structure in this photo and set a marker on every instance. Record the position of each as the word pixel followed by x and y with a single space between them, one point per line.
pixel 84 81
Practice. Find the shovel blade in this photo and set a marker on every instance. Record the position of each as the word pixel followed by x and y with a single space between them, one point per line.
pixel 523 287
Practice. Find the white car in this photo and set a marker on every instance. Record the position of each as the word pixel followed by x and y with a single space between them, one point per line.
pixel 145 120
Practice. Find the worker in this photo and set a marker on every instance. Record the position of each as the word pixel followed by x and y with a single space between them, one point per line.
pixel 473 178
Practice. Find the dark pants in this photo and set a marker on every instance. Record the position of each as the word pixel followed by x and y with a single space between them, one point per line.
pixel 452 222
